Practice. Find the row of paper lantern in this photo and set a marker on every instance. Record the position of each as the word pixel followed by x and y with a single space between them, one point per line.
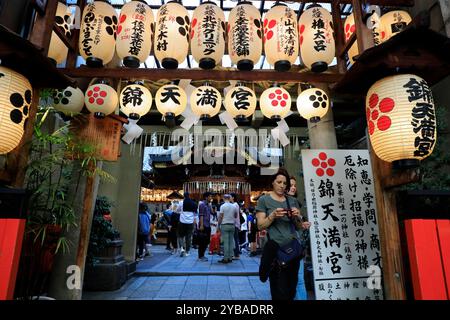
pixel 135 100
pixel 284 38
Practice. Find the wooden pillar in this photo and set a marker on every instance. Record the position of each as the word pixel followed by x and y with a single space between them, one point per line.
pixel 339 34
pixel 73 54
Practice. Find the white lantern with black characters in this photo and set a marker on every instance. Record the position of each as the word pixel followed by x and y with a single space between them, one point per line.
pixel 101 99
pixel 57 50
pixel 134 33
pixel 244 35
pixel 275 103
pixel 135 100
pixel 394 22
pixel 98 33
pixel 15 101
pixel 206 102
pixel 313 104
pixel 240 102
pixel 171 40
pixel 170 100
pixel 69 101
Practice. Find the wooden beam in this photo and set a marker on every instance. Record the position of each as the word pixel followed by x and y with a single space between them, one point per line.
pixel 339 35
pixel 363 34
pixel 70 43
pixel 43 26
pixel 397 179
pixel 347 45
pixel 217 75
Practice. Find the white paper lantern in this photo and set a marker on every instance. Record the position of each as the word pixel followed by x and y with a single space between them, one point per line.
pixel 15 100
pixel 57 50
pixel 240 102
pixel 171 100
pixel 69 101
pixel 171 40
pixel 206 102
pixel 401 119
pixel 101 99
pixel 377 27
pixel 134 33
pixel 135 101
pixel 275 103
pixel 317 49
pixel 98 33
pixel 313 104
pixel 394 22
pixel 208 35
pixel 244 36
pixel 350 29
pixel 281 37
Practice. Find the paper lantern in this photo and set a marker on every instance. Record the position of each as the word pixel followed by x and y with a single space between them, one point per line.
pixel 98 33
pixel 244 36
pixel 313 104
pixel 240 102
pixel 378 32
pixel 394 22
pixel 171 100
pixel 15 100
pixel 171 42
pixel 350 28
pixel 275 103
pixel 69 101
pixel 101 99
pixel 208 35
pixel 57 50
pixel 401 119
pixel 281 37
pixel 206 102
pixel 134 33
pixel 317 49
pixel 135 100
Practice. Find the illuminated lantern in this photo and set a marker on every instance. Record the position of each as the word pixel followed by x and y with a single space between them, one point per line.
pixel 244 36
pixel 15 101
pixel 378 32
pixel 208 35
pixel 281 37
pixel 134 33
pixel 135 100
pixel 57 50
pixel 171 100
pixel 401 119
pixel 171 42
pixel 101 99
pixel 206 102
pixel 98 33
pixel 313 104
pixel 317 48
pixel 69 101
pixel 275 103
pixel 394 22
pixel 349 29
pixel 240 102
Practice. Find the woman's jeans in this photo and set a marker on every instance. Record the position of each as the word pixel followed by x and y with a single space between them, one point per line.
pixel 301 289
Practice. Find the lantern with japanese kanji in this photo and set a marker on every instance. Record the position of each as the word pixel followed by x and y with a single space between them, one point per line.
pixel 135 100
pixel 15 102
pixel 275 103
pixel 101 99
pixel 208 35
pixel 134 33
pixel 171 40
pixel 312 104
pixel 281 37
pixel 98 33
pixel 378 32
pixel 171 100
pixel 317 48
pixel 240 102
pixel 69 101
pixel 57 50
pixel 244 36
pixel 394 22
pixel 206 102
pixel 401 119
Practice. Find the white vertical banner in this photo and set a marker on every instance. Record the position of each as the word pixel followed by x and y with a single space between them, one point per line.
pixel 345 242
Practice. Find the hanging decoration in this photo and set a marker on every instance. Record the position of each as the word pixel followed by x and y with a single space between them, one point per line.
pixel 101 99
pixel 135 100
pixel 134 33
pixel 208 35
pixel 69 101
pixel 313 104
pixel 394 22
pixel 171 100
pixel 281 37
pixel 275 103
pixel 98 33
pixel 15 101
pixel 220 187
pixel 240 102
pixel 57 50
pixel 374 24
pixel 317 49
pixel 244 36
pixel 206 102
pixel 171 41
pixel 401 119
pixel 350 29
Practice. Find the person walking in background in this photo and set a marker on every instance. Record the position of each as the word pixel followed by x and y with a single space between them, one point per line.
pixel 252 230
pixel 144 222
pixel 186 225
pixel 173 227
pixel 204 225
pixel 166 216
pixel 237 226
pixel 227 217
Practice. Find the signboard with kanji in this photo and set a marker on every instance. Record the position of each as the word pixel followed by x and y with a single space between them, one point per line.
pixel 345 243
